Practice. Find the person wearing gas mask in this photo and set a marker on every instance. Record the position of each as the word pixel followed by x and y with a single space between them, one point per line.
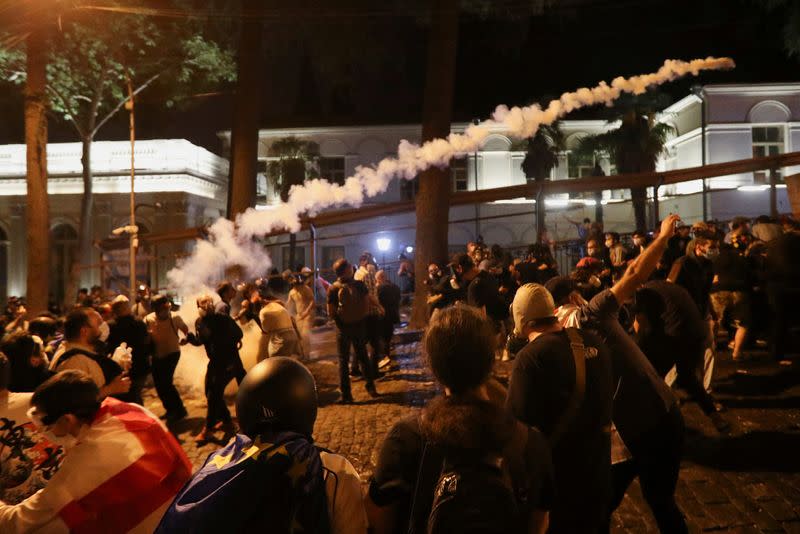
pixel 121 467
pixel 222 338
pixel 271 477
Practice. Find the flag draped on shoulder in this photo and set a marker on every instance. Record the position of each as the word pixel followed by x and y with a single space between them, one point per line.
pixel 273 483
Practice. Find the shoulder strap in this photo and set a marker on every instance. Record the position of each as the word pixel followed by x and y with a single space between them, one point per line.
pixel 70 353
pixel 576 399
pixel 416 496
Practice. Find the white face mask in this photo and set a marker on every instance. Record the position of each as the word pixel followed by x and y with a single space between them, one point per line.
pixel 105 331
pixel 65 442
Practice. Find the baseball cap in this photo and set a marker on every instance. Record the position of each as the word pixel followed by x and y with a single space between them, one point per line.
pixel 531 303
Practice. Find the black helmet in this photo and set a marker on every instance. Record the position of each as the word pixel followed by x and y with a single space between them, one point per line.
pixel 277 394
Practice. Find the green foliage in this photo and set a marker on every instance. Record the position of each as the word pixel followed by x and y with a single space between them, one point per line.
pixel 296 161
pixel 638 142
pixel 94 54
pixel 542 152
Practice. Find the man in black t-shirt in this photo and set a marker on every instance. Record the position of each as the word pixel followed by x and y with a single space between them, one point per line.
pixel 730 294
pixel 670 332
pixel 482 288
pixel 468 423
pixel 646 413
pixel 541 388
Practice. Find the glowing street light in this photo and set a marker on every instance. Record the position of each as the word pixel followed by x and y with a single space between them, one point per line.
pixel 409 249
pixel 384 243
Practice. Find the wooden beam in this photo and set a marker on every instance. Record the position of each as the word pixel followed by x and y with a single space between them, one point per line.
pixel 551 187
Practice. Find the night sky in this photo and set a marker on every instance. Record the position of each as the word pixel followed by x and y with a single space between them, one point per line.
pixel 370 70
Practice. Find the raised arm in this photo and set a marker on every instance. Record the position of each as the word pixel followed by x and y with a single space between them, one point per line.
pixel 643 266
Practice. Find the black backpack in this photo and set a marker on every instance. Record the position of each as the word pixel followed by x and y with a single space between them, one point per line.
pixel 481 493
pixel 110 368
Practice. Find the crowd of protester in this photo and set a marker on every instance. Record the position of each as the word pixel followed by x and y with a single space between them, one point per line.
pixel 589 405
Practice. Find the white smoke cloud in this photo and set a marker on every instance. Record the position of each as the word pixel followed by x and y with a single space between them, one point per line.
pixel 234 245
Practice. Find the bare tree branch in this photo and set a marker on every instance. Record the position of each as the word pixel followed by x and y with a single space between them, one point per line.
pixel 116 108
pixel 70 112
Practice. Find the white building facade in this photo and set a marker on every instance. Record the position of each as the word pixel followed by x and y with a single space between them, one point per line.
pixel 177 185
pixel 741 121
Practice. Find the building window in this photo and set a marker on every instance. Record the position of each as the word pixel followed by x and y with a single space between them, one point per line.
pixel 581 165
pixel 332 169
pixel 262 188
pixel 64 245
pixel 767 141
pixel 459 174
pixel 409 188
pixel 329 255
pixel 299 258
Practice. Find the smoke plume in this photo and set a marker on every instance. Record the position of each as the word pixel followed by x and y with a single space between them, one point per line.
pixel 234 245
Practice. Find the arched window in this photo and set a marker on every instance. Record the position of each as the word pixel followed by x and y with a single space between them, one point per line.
pixel 3 264
pixel 64 246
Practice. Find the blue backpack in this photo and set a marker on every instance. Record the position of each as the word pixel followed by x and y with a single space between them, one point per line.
pixel 272 484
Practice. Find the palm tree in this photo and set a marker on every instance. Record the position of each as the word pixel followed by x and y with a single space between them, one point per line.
pixel 296 160
pixel 540 158
pixel 635 145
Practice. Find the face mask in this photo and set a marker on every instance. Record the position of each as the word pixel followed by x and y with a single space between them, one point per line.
pixel 105 330
pixel 65 442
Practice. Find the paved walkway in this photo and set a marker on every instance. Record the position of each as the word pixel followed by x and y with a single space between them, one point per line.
pixel 748 481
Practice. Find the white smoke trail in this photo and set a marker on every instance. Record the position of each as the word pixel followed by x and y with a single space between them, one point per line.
pixel 231 245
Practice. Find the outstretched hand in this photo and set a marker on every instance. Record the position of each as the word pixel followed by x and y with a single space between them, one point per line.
pixel 668 225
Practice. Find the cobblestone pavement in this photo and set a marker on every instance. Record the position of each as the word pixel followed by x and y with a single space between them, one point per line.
pixel 747 481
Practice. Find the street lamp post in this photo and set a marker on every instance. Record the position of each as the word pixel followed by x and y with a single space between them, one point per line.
pixel 383 245
pixel 133 230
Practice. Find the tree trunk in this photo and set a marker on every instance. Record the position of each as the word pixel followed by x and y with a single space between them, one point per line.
pixel 639 200
pixel 84 252
pixel 247 113
pixel 294 173
pixel 37 212
pixel 541 214
pixel 433 198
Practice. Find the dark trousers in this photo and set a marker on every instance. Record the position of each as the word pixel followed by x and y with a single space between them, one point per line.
pixel 687 356
pixel 374 331
pixel 163 373
pixel 387 333
pixel 688 362
pixel 779 297
pixel 352 334
pixel 217 377
pixel 657 462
